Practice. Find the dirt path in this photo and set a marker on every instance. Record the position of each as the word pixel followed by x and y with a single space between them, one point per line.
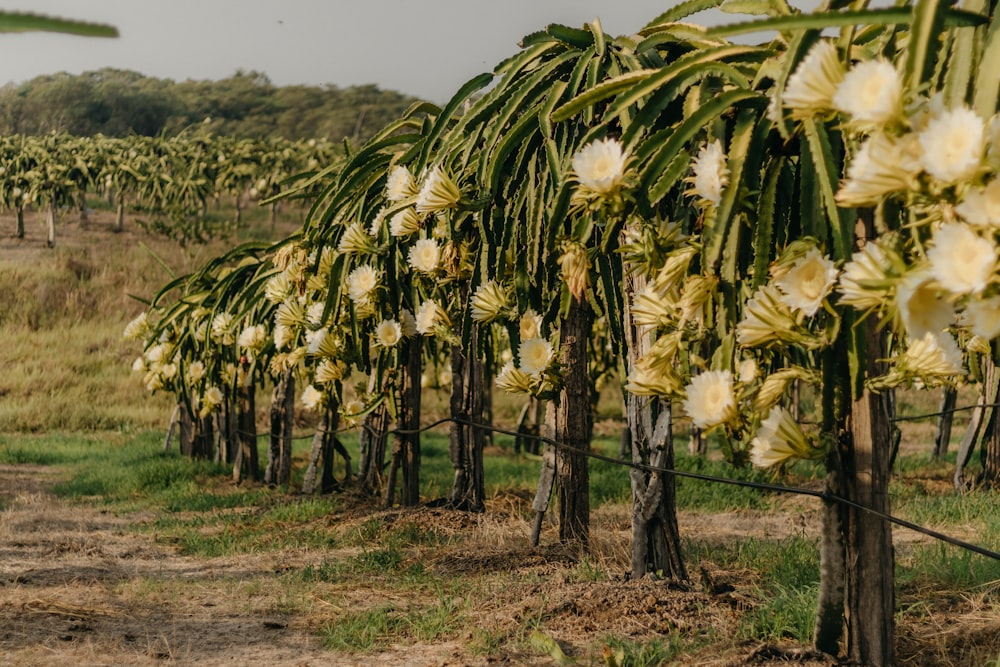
pixel 78 588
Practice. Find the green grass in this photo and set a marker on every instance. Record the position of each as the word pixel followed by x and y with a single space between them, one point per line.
pixel 373 628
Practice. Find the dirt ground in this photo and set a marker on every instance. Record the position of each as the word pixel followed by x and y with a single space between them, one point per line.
pixel 78 587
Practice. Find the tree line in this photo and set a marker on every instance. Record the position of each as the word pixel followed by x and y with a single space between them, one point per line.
pixel 120 103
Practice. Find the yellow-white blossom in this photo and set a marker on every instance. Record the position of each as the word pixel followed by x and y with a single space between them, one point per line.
pixel 283 335
pixel 139 328
pixel 376 224
pixel 600 166
pixel 535 355
pixel 871 93
pixel 488 302
pixel 139 365
pixel 711 174
pixel 404 223
pixel 253 338
pixel 747 371
pixel 211 400
pixel 922 306
pixel 330 370
pixel 651 308
pixel 766 319
pixel 399 184
pixel 952 145
pixel 883 165
pixel 289 314
pixel 932 357
pixel 811 87
pixel 430 314
pixel 278 288
pixel 312 398
pixel 388 333
pixel 650 377
pixel 867 281
pixel 222 329
pixel 356 241
pixel 780 439
pixel 530 325
pixel 982 317
pixel 574 269
pixel 981 206
pixel 424 256
pixel 361 282
pixel 809 280
pixel 438 193
pixel 709 399
pixel 512 380
pixel 962 261
pixel 352 410
pixel 408 323
pixel 698 291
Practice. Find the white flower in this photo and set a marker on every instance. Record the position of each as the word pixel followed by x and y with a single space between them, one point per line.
pixel 290 314
pixel 376 223
pixel 361 281
pixel 407 323
pixel 355 240
pixel 404 222
pixel 330 370
pixel 865 282
pixel 388 333
pixel 981 206
pixel 424 255
pixel 871 93
pixel 651 308
pixel 710 400
pixel 766 319
pixel 314 313
pixel 807 282
pixel 438 193
pixel 488 302
pixel 962 261
pixel 278 288
pixel 952 145
pixel 982 317
pixel 711 175
pixel 399 185
pixel 779 439
pixel 600 166
pixel 810 89
pixel 282 336
pixel 195 372
pixel 512 380
pixel 139 328
pixel 312 398
pixel 315 340
pixel 222 329
pixel 139 365
pixel 922 307
pixel 352 409
pixel 931 357
pixel 747 371
pixel 530 325
pixel 535 355
pixel 211 399
pixel 253 338
pixel 428 316
pixel 881 166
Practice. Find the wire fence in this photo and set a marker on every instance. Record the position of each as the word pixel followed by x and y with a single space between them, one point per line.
pixel 762 486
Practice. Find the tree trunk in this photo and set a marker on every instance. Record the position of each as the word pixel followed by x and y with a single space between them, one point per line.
pixel 185 433
pixel 51 224
pixel 829 626
pixel 19 220
pixel 409 420
pixel 942 436
pixel 81 200
pixel 246 424
pixel 865 454
pixel 990 451
pixel 466 443
pixel 309 480
pixel 980 416
pixel 547 475
pixel 120 215
pixel 279 451
pixel 373 441
pixel 656 541
pixel 573 426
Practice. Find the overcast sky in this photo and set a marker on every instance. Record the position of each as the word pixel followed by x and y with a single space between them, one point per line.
pixel 426 48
